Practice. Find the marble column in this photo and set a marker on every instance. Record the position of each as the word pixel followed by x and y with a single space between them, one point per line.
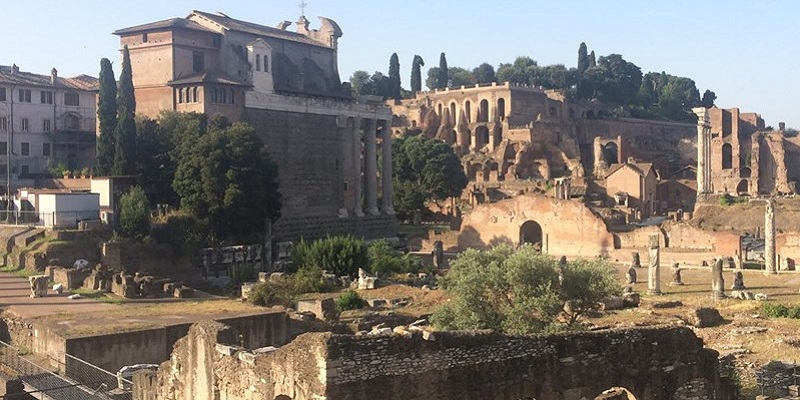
pixel 386 186
pixel 654 273
pixel 358 207
pixel 371 166
pixel 769 238
pixel 717 281
pixel 702 150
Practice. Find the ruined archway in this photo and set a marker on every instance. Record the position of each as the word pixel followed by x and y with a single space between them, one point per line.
pixel 483 111
pixel 481 136
pixel 501 109
pixel 283 397
pixel 531 233
pixel 611 153
pixel 727 156
pixel 742 187
pixel 468 111
pixel 453 115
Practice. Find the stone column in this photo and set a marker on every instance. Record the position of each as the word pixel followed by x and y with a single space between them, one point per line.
pixel 702 147
pixel 371 166
pixel 654 273
pixel 717 281
pixel 358 207
pixel 386 186
pixel 769 238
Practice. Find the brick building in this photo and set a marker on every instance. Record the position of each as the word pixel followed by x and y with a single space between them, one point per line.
pixel 287 85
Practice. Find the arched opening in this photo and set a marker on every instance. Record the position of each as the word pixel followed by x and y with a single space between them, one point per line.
pixel 727 156
pixel 453 112
pixel 451 137
pixel 483 113
pixel 283 397
pixel 440 110
pixel 745 172
pixel 611 153
pixel 501 109
pixel 531 233
pixel 481 136
pixel 742 187
pixel 616 393
pixel 468 111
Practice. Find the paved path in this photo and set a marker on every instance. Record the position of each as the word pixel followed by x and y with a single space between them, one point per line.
pixel 15 297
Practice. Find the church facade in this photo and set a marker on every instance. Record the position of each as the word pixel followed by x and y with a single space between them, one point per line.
pixel 286 84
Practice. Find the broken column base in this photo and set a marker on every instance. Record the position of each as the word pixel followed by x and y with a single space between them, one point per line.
pixel 718 295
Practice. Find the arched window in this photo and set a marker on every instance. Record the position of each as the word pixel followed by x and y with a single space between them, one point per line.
pixel 223 97
pixel 483 112
pixel 501 109
pixel 453 112
pixel 213 95
pixel 180 95
pixel 258 62
pixel 194 95
pixel 727 156
pixel 266 63
pixel 231 95
pixel 468 111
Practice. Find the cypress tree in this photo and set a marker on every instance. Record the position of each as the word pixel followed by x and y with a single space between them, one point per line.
pixel 125 134
pixel 443 78
pixel 107 117
pixel 394 77
pixel 416 74
pixel 592 60
pixel 583 58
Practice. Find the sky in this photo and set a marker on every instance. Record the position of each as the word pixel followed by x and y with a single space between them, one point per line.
pixel 745 51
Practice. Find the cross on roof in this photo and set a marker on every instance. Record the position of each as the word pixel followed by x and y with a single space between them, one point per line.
pixel 302 6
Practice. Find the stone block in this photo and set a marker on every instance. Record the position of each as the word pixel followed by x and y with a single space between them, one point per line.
pixel 183 292
pixel 705 317
pixel 225 350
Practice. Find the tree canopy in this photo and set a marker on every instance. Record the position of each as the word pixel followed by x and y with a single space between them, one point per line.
pixel 424 170
pixel 125 133
pixel 376 84
pixel 107 117
pixel 443 77
pixel 134 217
pixel 394 76
pixel 520 291
pixel 416 73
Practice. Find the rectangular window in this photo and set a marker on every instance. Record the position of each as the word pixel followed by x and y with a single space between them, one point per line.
pixel 24 95
pixel 47 97
pixel 3 148
pixel 144 37
pixel 46 125
pixel 25 125
pixel 46 149
pixel 198 62
pixel 3 124
pixel 71 99
pixel 25 148
pixel 2 94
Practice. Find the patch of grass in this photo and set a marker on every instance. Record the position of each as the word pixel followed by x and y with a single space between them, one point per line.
pixel 98 295
pixel 18 271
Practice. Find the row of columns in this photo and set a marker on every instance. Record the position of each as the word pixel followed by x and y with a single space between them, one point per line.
pixel 370 171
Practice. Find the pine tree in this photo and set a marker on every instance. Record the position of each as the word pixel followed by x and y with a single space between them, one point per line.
pixel 443 78
pixel 107 117
pixel 394 77
pixel 592 60
pixel 583 58
pixel 416 74
pixel 125 133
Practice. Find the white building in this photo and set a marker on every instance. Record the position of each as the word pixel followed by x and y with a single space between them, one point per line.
pixel 49 119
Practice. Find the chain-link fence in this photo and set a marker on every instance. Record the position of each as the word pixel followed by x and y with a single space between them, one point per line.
pixel 83 380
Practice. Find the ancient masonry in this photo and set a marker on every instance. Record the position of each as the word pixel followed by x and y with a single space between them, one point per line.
pixel 286 84
pixel 652 363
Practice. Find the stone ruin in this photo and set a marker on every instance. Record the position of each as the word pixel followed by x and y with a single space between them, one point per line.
pixel 39 285
pixel 141 285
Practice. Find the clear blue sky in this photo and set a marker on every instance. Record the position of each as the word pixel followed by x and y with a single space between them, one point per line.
pixel 745 51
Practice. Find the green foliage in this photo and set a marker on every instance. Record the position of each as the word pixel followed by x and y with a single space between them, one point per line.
pixel 285 290
pixel 384 259
pixel 154 164
pixel 394 77
pixel 350 300
pixel 484 73
pixel 226 177
pixel 424 169
pixel 416 73
pixel 376 85
pixel 339 255
pixel 708 99
pixel 184 233
pixel 518 292
pixel 583 58
pixel 779 310
pixel 107 117
pixel 134 217
pixel 125 132
pixel 460 77
pixel 443 76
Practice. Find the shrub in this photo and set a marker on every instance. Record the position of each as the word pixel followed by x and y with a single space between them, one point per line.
pixel 384 259
pixel 276 292
pixel 134 216
pixel 350 300
pixel 184 233
pixel 775 310
pixel 340 255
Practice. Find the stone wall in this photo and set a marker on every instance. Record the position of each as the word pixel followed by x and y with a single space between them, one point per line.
pixel 567 227
pixel 652 363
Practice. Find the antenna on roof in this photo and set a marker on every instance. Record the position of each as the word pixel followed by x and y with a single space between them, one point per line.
pixel 302 6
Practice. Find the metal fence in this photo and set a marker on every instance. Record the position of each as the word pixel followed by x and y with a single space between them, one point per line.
pixel 65 219
pixel 84 380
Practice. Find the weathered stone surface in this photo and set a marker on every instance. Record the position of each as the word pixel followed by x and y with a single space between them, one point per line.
pixel 705 317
